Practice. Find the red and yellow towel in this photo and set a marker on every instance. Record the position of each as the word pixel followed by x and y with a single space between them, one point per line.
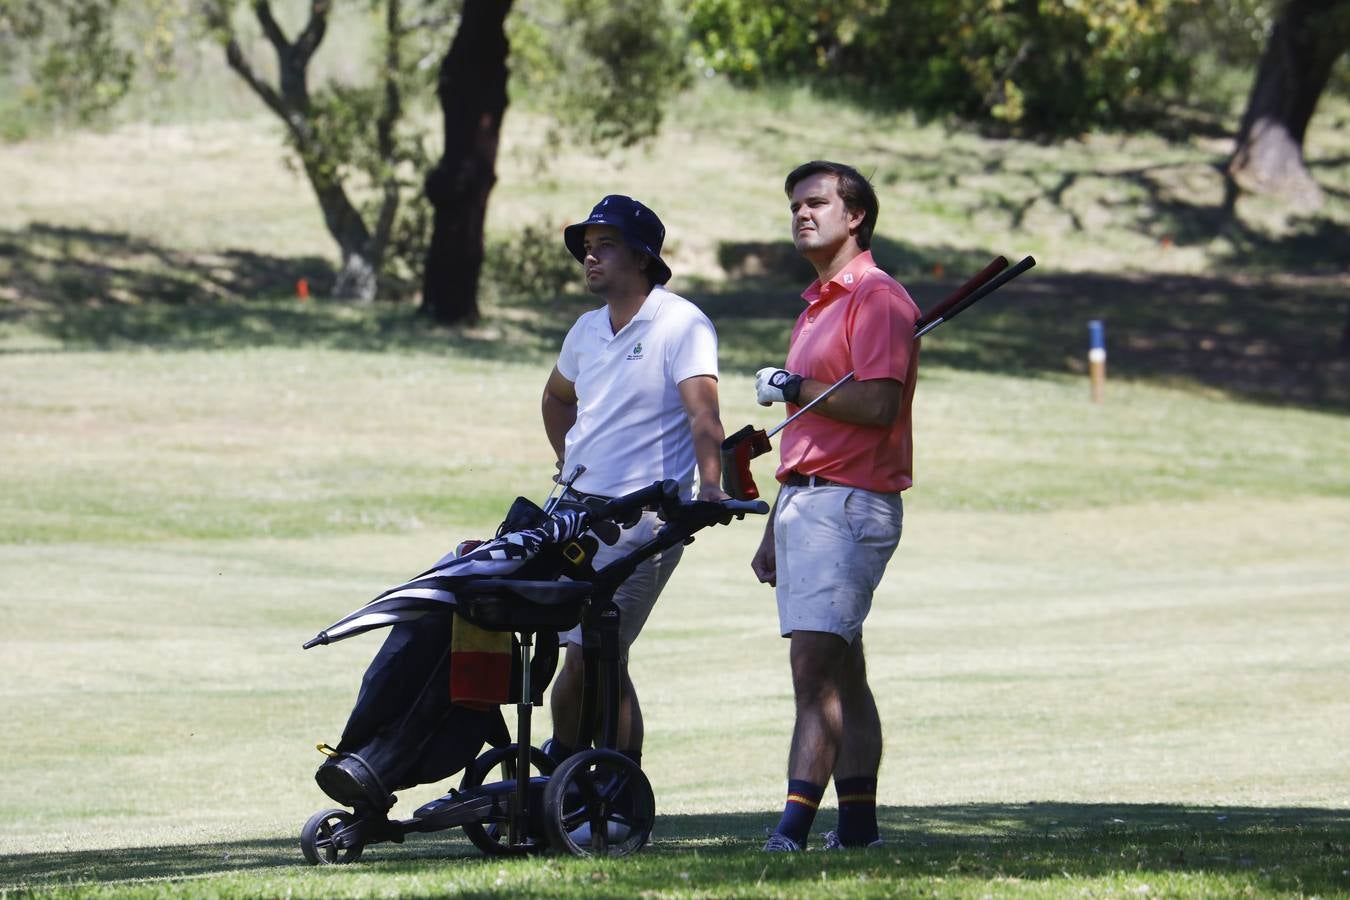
pixel 480 665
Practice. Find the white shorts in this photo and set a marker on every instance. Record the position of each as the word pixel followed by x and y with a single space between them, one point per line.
pixel 637 596
pixel 832 544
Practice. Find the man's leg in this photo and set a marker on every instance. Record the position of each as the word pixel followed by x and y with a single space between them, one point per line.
pixel 855 770
pixel 565 704
pixel 635 598
pixel 817 660
pixel 631 731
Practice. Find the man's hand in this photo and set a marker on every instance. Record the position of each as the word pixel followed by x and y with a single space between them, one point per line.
pixel 774 385
pixel 712 493
pixel 765 561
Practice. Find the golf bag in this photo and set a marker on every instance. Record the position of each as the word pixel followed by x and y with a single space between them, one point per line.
pixel 404 730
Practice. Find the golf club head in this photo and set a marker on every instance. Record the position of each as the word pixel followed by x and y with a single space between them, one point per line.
pixel 737 451
pixel 608 532
pixel 605 530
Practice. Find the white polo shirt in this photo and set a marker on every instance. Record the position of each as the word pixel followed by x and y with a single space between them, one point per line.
pixel 631 426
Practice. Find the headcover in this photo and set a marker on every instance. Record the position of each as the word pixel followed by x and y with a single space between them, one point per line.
pixel 640 227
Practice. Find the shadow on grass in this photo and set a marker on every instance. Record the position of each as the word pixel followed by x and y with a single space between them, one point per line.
pixel 95 290
pixel 1275 849
pixel 59 265
pixel 1263 337
pixel 1268 338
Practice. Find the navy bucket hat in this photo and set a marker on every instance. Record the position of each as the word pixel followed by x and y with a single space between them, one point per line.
pixel 640 227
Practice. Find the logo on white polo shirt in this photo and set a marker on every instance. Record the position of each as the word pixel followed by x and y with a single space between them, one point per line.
pixel 636 352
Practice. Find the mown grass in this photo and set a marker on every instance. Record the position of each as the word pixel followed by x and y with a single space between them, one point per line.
pixel 276 442
pixel 1110 655
pixel 1033 851
pixel 1132 612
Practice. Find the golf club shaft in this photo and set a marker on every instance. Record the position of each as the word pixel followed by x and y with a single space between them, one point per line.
pixel 972 284
pixel 977 295
pixel 975 287
pixel 551 503
pixel 823 394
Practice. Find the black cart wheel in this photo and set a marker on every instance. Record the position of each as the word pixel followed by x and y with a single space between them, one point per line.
pixel 598 803
pixel 499 764
pixel 318 843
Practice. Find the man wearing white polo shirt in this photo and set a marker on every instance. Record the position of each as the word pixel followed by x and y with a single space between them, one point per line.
pixel 633 398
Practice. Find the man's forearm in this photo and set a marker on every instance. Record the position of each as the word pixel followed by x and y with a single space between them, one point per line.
pixel 875 402
pixel 708 434
pixel 559 417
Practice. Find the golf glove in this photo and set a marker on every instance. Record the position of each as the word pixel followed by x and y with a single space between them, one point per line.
pixel 773 385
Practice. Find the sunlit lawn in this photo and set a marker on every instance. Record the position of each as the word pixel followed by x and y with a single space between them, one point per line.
pixel 1111 653
pixel 1111 650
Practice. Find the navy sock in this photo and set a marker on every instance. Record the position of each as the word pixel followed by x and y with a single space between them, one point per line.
pixel 803 799
pixel 857 811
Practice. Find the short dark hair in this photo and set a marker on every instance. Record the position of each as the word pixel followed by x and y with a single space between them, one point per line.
pixel 855 190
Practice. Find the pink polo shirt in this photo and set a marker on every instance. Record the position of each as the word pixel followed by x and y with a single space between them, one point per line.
pixel 861 321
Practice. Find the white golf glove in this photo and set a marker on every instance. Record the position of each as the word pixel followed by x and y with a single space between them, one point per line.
pixel 774 385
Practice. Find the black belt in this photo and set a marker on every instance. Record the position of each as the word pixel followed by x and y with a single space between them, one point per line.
pixel 797 479
pixel 576 496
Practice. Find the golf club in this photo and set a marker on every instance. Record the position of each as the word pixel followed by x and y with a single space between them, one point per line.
pixel 750 442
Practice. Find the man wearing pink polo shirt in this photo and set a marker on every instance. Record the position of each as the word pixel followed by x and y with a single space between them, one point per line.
pixel 837 519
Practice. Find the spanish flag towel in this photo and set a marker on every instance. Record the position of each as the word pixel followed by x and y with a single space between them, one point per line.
pixel 480 665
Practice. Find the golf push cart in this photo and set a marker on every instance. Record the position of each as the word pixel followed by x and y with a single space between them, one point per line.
pixel 533 580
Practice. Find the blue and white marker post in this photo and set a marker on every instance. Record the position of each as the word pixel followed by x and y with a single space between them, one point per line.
pixel 1097 358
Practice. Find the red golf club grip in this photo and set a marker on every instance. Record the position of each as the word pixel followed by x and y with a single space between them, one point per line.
pixel 974 283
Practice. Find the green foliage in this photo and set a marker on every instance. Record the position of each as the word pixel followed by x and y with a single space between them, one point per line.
pixel 1038 66
pixel 76 60
pixel 345 144
pixel 68 51
pixel 603 70
pixel 531 264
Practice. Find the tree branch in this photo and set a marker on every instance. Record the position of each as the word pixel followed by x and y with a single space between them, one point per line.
pixel 235 57
pixel 262 10
pixel 315 28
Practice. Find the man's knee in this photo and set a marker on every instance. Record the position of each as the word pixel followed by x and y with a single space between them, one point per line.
pixel 818 666
pixel 568 678
pixel 854 667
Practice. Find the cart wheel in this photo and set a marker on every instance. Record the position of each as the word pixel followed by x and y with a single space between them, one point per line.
pixel 598 803
pixel 492 835
pixel 316 839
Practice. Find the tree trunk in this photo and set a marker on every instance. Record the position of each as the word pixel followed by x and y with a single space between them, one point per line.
pixel 1308 37
pixel 472 91
pixel 358 278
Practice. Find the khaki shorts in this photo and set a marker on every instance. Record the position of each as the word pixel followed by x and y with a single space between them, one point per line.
pixel 832 544
pixel 637 596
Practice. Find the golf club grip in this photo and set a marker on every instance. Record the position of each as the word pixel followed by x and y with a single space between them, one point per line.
pixel 984 291
pixel 658 493
pixel 972 284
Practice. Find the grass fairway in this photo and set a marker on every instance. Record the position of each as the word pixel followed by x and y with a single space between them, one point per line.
pixel 1111 653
